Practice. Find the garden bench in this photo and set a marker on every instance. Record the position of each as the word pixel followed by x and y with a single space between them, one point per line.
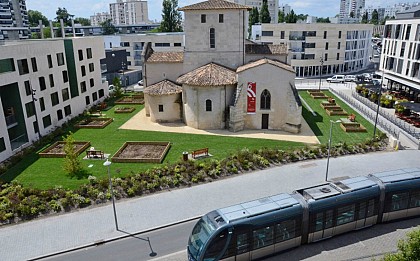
pixel 95 154
pixel 200 152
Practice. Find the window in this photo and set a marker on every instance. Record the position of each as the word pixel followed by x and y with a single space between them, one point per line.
pixel 65 94
pixel 89 53
pixel 203 18
pixel 91 67
pixel 282 35
pixel 212 38
pixel 65 76
pixel 30 109
pixel 339 34
pixel 92 82
pixel 34 65
pixel 49 58
pixel 160 107
pixel 80 55
pixel 265 100
pixel 46 121
pixel 325 34
pixel 60 59
pixel 263 237
pixel 345 215
pixel 42 84
pixel 415 199
pixel 51 80
pixel 325 57
pixel 338 56
pixel 42 103
pixel 326 46
pixel 7 65
pixel 208 105
pixel 59 114
pixel 83 69
pixel 286 230
pixel 87 99
pixel 218 243
pixel 162 44
pixel 267 33
pixel 396 201
pixel 101 93
pixel 83 86
pixel 221 18
pixel 67 110
pixel 23 66
pixel 94 96
pixel 28 89
pixel 54 98
pixel 177 44
pixel 338 45
pixel 36 128
pixel 2 145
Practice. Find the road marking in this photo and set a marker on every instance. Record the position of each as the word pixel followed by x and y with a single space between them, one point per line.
pixel 177 256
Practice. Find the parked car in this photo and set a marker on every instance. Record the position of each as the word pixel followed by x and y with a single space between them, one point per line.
pixel 111 89
pixel 350 78
pixel 376 76
pixel 140 82
pixel 368 76
pixel 336 78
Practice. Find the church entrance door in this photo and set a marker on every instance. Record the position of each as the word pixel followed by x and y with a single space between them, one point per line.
pixel 264 124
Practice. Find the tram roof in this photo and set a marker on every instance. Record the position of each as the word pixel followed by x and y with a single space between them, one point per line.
pixel 397 175
pixel 257 207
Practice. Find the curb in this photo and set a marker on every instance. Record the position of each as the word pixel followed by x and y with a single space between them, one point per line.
pixel 104 241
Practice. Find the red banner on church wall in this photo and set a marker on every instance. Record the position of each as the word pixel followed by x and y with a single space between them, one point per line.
pixel 252 97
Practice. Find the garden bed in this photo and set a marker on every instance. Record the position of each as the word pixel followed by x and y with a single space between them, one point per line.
pixel 332 112
pixel 352 127
pixel 57 149
pixel 135 99
pixel 317 94
pixel 124 109
pixel 142 151
pixel 327 105
pixel 94 123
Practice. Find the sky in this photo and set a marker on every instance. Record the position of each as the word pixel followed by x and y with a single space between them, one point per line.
pixel 86 8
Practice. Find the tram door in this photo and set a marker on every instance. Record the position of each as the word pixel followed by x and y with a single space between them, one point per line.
pixel 323 225
pixel 242 247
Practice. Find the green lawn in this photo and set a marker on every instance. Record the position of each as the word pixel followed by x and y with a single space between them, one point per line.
pixel 320 124
pixel 47 172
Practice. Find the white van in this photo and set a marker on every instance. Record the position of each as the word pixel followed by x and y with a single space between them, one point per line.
pixel 350 78
pixel 336 78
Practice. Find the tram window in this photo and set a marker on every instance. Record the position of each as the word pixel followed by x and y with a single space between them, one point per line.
pixel 319 221
pixel 263 237
pixel 345 214
pixel 362 211
pixel 216 246
pixel 371 208
pixel 242 244
pixel 415 199
pixel 399 201
pixel 328 219
pixel 285 230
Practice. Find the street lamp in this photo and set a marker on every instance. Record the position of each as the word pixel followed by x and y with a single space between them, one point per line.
pixel 123 78
pixel 321 61
pixel 107 163
pixel 329 147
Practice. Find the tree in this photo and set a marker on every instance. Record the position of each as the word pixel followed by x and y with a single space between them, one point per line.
pixel 108 28
pixel 408 249
pixel 72 164
pixel 301 17
pixel 35 16
pixel 63 14
pixel 265 14
pixel 291 17
pixel 254 18
pixel 365 18
pixel 171 17
pixel 117 85
pixel 281 16
pixel 82 21
pixel 323 20
pixel 375 17
pixel 351 14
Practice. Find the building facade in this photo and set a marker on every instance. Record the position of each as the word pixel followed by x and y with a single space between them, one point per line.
pixel 128 12
pixel 14 23
pixel 400 58
pixel 273 7
pixel 43 84
pixel 351 8
pixel 342 49
pixel 98 18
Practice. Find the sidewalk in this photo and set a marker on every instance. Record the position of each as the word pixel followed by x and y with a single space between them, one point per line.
pixel 87 226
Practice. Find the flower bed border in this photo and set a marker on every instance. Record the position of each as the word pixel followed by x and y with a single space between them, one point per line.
pixel 106 122
pixel 133 101
pixel 126 110
pixel 116 158
pixel 45 154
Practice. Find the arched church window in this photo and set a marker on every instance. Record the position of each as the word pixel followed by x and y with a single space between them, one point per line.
pixel 265 100
pixel 208 105
pixel 212 38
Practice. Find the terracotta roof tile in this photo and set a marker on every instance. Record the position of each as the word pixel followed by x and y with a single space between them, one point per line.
pixel 166 57
pixel 214 5
pixel 265 49
pixel 264 61
pixel 164 87
pixel 209 75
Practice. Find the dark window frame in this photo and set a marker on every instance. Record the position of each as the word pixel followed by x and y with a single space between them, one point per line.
pixel 265 100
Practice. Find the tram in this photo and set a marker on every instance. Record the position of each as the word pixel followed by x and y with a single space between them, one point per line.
pixel 263 227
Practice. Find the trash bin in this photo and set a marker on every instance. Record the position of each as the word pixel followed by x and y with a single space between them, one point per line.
pixel 185 155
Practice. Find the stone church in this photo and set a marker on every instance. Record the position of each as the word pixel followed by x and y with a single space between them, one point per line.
pixel 221 80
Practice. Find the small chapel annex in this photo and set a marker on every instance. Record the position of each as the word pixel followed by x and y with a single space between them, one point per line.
pixel 221 80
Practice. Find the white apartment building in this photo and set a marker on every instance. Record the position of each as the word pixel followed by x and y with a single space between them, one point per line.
pixel 273 7
pixel 98 18
pixel 127 12
pixel 13 20
pixel 351 6
pixel 390 11
pixel 285 8
pixel 400 59
pixel 341 48
pixel 43 84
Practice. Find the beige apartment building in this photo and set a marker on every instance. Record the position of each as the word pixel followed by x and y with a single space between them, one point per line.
pixel 129 12
pixel 43 84
pixel 339 48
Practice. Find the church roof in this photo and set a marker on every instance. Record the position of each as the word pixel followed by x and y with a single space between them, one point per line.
pixel 210 74
pixel 166 57
pixel 214 5
pixel 264 61
pixel 164 87
pixel 265 49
